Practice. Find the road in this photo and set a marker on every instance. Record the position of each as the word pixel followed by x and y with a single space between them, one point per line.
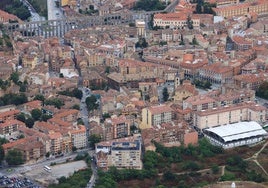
pixel 53 12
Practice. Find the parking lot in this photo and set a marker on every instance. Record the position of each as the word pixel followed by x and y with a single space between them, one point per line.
pixel 57 171
pixel 13 182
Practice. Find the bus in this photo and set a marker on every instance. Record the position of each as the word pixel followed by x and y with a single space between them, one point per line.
pixel 46 168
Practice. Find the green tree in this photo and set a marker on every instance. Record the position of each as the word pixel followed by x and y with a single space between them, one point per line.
pixel 23 88
pixel 29 122
pixel 14 77
pixel 107 69
pixel 189 23
pixel 93 139
pixel 2 154
pixel 55 102
pixel 168 176
pixel 142 43
pixel 39 97
pixel 92 103
pixel 215 169
pixel 14 157
pixel 74 149
pixel 36 114
pixel 262 90
pixel 227 177
pixel 21 117
pixel 105 116
pixel 77 93
pixel 47 154
pixel 165 94
pixel 76 106
pixel 194 41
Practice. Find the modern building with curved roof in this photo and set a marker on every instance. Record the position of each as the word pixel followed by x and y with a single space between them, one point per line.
pixel 237 134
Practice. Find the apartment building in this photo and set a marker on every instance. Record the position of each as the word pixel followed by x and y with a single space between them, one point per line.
pixel 169 134
pixel 9 115
pixel 217 73
pixel 156 115
pixel 248 111
pixel 29 106
pixel 69 115
pixel 217 98
pixel 5 71
pixel 259 7
pixel 32 148
pixel 121 153
pixel 175 20
pixel 250 81
pixel 116 127
pixel 222 2
pixel 79 137
pixel 192 63
pixel 240 43
pixel 56 142
pixel 131 72
pixel 10 129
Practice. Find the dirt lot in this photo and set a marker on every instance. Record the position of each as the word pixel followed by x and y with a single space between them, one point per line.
pixel 66 169
pixel 238 185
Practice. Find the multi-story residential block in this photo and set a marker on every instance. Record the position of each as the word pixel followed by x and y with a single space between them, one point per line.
pixel 56 142
pixel 8 115
pixel 131 72
pixel 216 73
pixel 29 106
pixel 259 7
pixel 240 43
pixel 226 96
pixel 155 115
pixel 32 148
pixel 169 134
pixel 248 111
pixel 79 137
pixel 121 153
pixel 222 2
pixel 10 129
pixel 92 79
pixel 70 115
pixel 175 20
pixel 5 71
pixel 116 127
pixel 250 81
pixel 191 64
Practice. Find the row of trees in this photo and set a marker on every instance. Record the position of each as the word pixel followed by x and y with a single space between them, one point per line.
pixel 202 84
pixel 12 98
pixel 150 5
pixel 73 93
pixel 204 7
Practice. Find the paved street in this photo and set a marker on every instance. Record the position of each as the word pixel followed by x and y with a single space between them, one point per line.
pixel 53 11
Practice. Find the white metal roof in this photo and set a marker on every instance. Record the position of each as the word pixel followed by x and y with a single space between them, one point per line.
pixel 238 130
